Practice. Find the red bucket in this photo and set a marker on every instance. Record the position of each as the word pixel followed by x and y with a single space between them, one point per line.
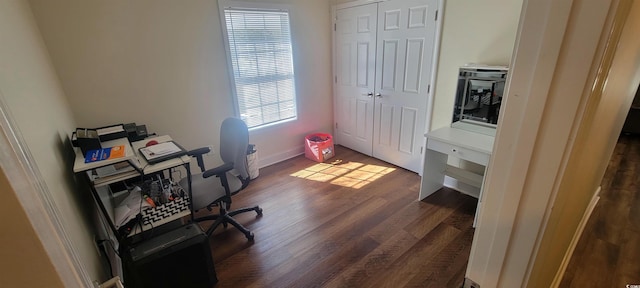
pixel 318 146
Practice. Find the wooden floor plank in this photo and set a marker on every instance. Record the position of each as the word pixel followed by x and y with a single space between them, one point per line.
pixel 600 268
pixel 353 223
pixel 449 261
pixel 609 248
pixel 416 260
pixel 628 265
pixel 441 208
pixel 375 262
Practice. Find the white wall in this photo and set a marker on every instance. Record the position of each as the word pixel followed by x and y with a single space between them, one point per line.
pixel 162 63
pixel 40 109
pixel 481 32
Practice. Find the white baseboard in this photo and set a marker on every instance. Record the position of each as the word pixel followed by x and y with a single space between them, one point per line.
pixel 576 237
pixel 267 160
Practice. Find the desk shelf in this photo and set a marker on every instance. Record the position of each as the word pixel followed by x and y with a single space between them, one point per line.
pixel 465 145
pixel 102 181
pixel 104 197
pixel 465 176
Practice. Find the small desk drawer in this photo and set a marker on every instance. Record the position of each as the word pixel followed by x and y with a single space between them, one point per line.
pixel 457 151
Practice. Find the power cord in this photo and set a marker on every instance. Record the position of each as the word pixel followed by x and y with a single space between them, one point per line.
pixel 103 251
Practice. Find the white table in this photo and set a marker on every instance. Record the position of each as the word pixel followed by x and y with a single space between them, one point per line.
pixel 133 156
pixel 100 188
pixel 462 144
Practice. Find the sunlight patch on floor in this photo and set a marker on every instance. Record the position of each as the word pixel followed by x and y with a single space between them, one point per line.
pixel 351 174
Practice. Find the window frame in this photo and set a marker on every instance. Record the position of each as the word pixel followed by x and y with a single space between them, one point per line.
pixel 258 6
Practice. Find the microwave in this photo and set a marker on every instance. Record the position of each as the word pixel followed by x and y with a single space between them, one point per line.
pixel 479 94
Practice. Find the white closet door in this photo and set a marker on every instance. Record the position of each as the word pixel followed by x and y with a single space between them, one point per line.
pixel 405 40
pixel 355 50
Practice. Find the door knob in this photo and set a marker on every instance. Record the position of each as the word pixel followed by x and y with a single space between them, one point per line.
pixel 378 95
pixel 370 94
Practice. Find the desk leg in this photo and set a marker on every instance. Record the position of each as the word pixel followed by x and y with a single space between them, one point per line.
pixel 479 205
pixel 435 164
pixel 187 166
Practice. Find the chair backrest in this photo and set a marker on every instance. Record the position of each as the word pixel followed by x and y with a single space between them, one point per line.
pixel 234 141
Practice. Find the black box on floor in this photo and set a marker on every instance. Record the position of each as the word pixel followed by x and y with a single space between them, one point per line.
pixel 178 258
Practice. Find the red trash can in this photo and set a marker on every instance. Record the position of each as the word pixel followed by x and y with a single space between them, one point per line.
pixel 318 146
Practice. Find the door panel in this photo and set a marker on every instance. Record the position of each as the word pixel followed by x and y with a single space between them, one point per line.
pixel 406 40
pixel 356 36
pixel 391 20
pixel 363 64
pixel 344 60
pixel 408 122
pixel 384 53
pixel 346 107
pixel 389 64
pixel 413 65
pixel 363 121
pixel 385 130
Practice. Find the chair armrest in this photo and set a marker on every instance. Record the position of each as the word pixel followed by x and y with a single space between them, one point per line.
pixel 198 153
pixel 220 170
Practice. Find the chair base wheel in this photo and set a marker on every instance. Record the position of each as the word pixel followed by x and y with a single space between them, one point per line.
pixel 249 236
pixel 259 211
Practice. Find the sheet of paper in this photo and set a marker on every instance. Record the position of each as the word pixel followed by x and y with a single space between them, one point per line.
pixel 123 215
pixel 129 208
pixel 160 150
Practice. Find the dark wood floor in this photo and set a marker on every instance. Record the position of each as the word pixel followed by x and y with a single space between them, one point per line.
pixel 354 223
pixel 608 252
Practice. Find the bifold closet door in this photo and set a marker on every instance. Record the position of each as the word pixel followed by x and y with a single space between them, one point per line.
pixel 383 63
pixel 405 43
pixel 355 50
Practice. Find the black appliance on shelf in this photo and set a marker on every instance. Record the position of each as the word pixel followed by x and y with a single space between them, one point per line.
pixel 479 94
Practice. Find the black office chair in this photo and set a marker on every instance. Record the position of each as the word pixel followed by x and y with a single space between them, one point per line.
pixel 207 191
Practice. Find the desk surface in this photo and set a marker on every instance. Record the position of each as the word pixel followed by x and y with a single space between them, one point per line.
pixel 129 155
pixel 153 217
pixel 132 154
pixel 463 138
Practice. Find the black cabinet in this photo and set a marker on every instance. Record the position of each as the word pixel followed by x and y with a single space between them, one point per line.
pixel 178 258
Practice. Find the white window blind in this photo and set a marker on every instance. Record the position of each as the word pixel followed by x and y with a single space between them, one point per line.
pixel 260 52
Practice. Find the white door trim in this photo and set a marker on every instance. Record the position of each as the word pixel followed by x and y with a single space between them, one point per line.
pixel 432 83
pixel 24 177
pixel 529 159
pixel 355 3
pixel 434 69
pixel 538 42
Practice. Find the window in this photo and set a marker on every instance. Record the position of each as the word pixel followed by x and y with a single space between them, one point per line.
pixel 259 50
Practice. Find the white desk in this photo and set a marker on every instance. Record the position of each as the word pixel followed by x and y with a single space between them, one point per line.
pixel 133 156
pixel 104 196
pixel 463 144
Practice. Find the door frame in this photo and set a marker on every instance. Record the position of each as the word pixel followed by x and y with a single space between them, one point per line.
pixel 434 68
pixel 540 33
pixel 19 166
pixel 521 198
